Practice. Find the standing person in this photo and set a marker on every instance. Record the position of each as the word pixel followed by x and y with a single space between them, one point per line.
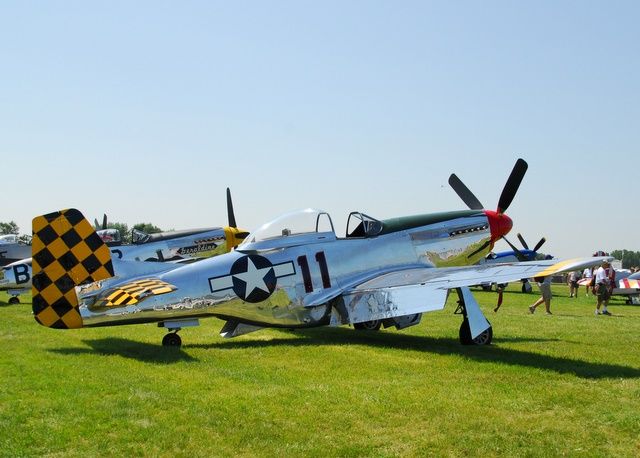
pixel 587 276
pixel 544 283
pixel 572 279
pixel 602 280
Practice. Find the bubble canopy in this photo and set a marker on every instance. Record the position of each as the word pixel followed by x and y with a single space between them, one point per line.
pixel 307 221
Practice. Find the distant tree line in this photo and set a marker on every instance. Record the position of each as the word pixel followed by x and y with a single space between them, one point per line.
pixel 9 228
pixel 628 258
pixel 125 232
pixel 148 228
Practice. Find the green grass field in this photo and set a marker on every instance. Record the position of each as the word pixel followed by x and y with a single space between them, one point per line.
pixel 567 384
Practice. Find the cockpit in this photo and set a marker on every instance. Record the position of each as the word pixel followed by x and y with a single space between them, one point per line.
pixel 312 223
pixel 308 221
pixel 361 225
pixel 111 237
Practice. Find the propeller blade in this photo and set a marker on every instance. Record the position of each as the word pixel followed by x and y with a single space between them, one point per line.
pixel 104 221
pixel 539 244
pixel 95 224
pixel 511 186
pixel 484 245
pixel 524 244
pixel 464 193
pixel 519 255
pixel 231 216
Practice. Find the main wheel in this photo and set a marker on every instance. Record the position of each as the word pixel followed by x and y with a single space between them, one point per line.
pixel 372 325
pixel 14 300
pixel 465 335
pixel 172 340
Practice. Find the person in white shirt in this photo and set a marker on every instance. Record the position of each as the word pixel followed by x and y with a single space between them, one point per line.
pixel 572 280
pixel 588 274
pixel 604 280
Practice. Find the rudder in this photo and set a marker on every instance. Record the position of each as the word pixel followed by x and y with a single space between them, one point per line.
pixel 66 252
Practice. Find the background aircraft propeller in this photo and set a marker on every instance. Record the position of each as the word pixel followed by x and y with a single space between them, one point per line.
pixel 104 222
pixel 232 217
pixel 519 254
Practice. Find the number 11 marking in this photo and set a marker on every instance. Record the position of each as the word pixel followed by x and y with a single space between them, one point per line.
pixel 306 273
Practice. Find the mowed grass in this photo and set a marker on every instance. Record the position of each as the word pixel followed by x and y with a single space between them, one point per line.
pixel 567 384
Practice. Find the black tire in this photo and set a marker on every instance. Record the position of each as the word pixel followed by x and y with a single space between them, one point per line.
pixel 465 335
pixel 373 325
pixel 487 287
pixel 171 340
pixel 14 300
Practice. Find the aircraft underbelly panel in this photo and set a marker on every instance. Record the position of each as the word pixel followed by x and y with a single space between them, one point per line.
pixel 361 306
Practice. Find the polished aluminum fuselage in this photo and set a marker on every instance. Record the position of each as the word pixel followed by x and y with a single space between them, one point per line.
pixel 311 270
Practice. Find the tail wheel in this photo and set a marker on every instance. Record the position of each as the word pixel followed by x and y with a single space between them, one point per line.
pixel 484 338
pixel 14 300
pixel 172 340
pixel 373 325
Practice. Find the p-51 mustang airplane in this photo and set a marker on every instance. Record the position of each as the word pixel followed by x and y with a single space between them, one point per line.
pixel 293 272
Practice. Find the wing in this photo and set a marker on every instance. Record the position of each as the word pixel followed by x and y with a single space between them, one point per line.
pixel 423 289
pixel 457 277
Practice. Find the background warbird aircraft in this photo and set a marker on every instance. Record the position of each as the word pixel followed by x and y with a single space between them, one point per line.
pixel 174 245
pixel 16 279
pixel 514 255
pixel 292 272
pixel 12 249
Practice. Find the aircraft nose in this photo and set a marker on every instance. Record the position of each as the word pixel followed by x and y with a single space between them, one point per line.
pixel 499 224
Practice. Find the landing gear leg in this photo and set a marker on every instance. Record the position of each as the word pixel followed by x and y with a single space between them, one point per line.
pixel 471 313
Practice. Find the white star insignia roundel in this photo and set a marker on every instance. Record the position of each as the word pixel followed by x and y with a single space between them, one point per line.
pixel 252 278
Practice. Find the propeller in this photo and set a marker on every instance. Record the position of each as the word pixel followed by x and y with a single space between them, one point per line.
pixel 524 244
pixel 237 235
pixel 539 244
pixel 230 214
pixel 508 192
pixel 511 186
pixel 520 256
pixel 526 247
pixel 104 222
pixel 465 193
pixel 499 223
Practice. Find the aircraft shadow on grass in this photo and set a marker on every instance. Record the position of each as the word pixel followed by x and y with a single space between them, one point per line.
pixel 144 352
pixel 153 353
pixel 443 346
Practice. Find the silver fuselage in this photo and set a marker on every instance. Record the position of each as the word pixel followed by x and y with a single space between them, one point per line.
pixel 303 272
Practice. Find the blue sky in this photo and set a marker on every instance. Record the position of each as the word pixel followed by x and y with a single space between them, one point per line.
pixel 149 110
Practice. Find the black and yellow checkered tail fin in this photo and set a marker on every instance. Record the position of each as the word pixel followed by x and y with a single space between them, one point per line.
pixel 66 252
